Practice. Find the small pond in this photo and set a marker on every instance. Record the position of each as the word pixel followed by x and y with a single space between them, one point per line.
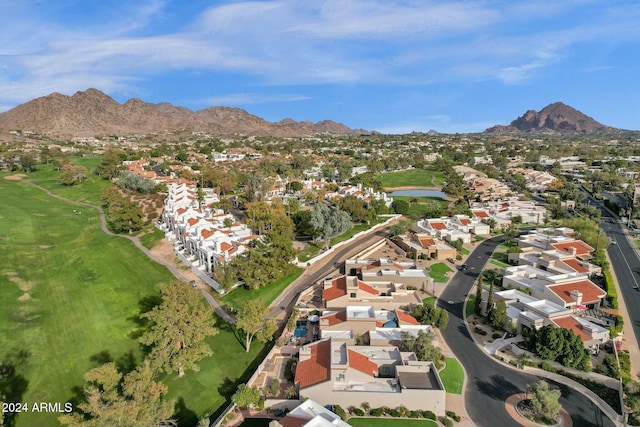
pixel 419 193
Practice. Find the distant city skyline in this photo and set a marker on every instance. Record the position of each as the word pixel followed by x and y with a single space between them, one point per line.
pixel 394 66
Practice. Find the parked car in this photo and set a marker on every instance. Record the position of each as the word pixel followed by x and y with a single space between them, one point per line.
pixel 463 267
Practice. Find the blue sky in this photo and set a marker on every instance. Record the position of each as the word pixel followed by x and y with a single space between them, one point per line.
pixel 389 65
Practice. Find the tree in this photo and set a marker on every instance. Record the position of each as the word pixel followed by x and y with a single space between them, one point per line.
pixel 27 162
pixel 71 174
pixel 354 207
pixel 113 399
pixel 478 301
pixel 545 401
pixel 111 163
pixel 181 323
pixel 400 206
pixel 489 308
pixel 422 346
pixel 330 222
pixel 510 233
pixel 256 188
pixel 252 319
pixel 227 223
pixel 246 397
pixel 498 316
pixel 125 215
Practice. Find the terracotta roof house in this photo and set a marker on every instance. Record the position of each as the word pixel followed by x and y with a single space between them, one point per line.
pixel 380 375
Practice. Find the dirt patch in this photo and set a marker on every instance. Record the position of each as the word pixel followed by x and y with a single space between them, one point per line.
pixel 24 286
pixel 164 250
pixel 16 177
pixel 24 297
pixel 45 246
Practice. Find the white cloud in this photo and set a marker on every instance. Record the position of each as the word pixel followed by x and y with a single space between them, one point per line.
pixel 254 98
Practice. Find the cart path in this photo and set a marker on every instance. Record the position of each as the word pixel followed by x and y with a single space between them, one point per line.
pixel 172 268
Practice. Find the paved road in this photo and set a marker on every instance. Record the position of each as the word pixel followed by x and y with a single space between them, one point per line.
pixel 488 382
pixel 324 268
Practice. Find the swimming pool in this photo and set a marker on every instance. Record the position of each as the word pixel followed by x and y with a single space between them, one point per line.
pixel 301 329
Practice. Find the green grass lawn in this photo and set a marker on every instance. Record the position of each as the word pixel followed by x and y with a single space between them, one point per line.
pixel 267 294
pixel 413 177
pixel 88 190
pixel 391 422
pixel 438 271
pixel 638 243
pixel 471 306
pixel 70 292
pixel 452 376
pixel 431 301
pixel 151 237
pixel 465 251
pixel 422 208
pixel 499 264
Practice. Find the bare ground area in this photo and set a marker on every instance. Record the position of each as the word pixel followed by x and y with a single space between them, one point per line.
pixel 16 177
pixel 164 251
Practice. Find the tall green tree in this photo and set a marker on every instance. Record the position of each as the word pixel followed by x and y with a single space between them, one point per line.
pixel 181 324
pixel 330 222
pixel 253 321
pixel 111 163
pixel 498 316
pixel 423 347
pixel 478 301
pixel 125 401
pixel 246 397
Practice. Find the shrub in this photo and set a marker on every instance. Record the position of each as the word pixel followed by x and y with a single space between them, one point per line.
pixel 358 412
pixel 446 421
pixel 414 414
pixel 376 412
pixel 453 415
pixel 429 415
pixel 394 413
pixel 479 331
pixel 496 335
pixel 337 409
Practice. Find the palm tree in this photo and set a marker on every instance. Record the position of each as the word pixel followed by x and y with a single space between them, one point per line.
pixel 291 392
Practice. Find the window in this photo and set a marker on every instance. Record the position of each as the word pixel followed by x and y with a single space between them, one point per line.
pixel 340 377
pixel 385 371
pixel 352 295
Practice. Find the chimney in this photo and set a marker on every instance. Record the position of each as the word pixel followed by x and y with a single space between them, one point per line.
pixel 576 296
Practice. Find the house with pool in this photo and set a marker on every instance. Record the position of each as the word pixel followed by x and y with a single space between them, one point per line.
pixel 331 371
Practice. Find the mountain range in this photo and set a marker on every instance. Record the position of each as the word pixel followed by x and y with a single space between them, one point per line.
pixel 91 113
pixel 554 118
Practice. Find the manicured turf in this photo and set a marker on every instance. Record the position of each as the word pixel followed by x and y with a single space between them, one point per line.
pixel 422 208
pixel 430 301
pixel 151 237
pixel 413 177
pixel 70 292
pixel 88 190
pixel 391 422
pixel 438 270
pixel 267 294
pixel 499 264
pixel 452 376
pixel 471 306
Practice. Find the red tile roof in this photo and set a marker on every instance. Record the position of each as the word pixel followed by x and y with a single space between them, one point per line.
pixel 438 225
pixel 481 214
pixel 192 221
pixel 581 247
pixel 206 233
pixel 591 293
pixel 361 363
pixel 427 242
pixel 338 288
pixel 224 246
pixel 335 318
pixel 404 317
pixel 317 368
pixel 572 324
pixel 373 265
pixel 465 221
pixel 291 421
pixel 181 211
pixel 367 288
pixel 575 265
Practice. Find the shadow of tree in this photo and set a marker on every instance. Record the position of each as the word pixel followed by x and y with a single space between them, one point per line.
pixel 228 387
pixel 12 383
pixel 185 416
pixel 228 327
pixel 498 387
pixel 145 305
pixel 101 358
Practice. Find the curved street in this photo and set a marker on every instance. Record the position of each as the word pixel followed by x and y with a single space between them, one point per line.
pixel 488 383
